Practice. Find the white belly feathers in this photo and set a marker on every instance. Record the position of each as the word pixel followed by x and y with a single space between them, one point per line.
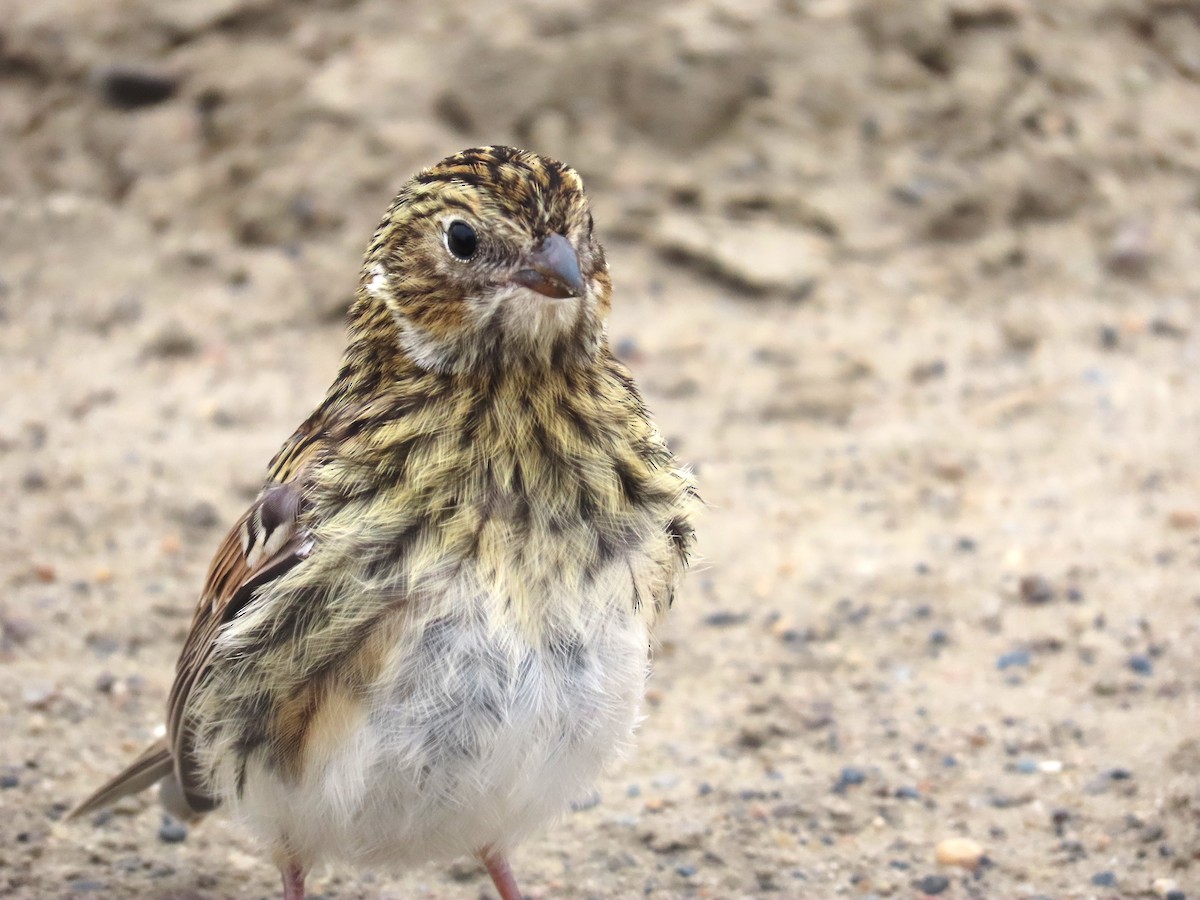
pixel 473 734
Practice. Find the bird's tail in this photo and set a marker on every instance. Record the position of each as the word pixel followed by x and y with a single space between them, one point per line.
pixel 153 765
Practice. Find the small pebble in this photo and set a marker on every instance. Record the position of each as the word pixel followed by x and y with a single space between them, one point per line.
pixel 1160 327
pixel 171 831
pixel 1183 519
pixel 1151 834
pixel 959 851
pixel 1060 817
pixel 1130 252
pixel 1036 589
pixel 849 776
pixel 627 349
pixel 1164 887
pixel 725 618
pixel 1013 658
pixel 586 803
pixel 926 371
pixel 39 695
pixel 687 871
pixel 85 886
pixel 1027 766
pixel 127 88
pixel 1104 879
pixel 8 781
pixel 933 884
pixel 1141 664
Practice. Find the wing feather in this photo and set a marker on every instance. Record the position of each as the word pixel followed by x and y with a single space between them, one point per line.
pixel 265 543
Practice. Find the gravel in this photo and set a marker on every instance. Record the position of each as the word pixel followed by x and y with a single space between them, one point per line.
pixel 172 831
pixel 933 884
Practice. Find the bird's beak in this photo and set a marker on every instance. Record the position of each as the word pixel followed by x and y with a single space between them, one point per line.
pixel 552 269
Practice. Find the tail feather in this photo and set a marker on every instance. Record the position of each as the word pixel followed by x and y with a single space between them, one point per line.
pixel 153 765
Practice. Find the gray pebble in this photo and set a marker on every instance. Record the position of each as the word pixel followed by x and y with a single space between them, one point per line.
pixel 1019 658
pixel 584 803
pixel 85 886
pixel 725 618
pixel 933 884
pixel 1104 879
pixel 1141 664
pixel 849 776
pixel 172 831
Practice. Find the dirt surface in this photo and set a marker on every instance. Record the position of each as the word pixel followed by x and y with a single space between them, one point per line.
pixel 914 284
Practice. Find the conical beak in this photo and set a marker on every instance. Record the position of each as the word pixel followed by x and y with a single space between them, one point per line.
pixel 552 269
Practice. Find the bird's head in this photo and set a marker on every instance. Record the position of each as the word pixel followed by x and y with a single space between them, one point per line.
pixel 486 259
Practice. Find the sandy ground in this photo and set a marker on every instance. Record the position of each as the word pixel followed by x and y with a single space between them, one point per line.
pixel 914 285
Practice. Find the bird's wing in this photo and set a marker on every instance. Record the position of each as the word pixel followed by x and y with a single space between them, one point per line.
pixel 267 541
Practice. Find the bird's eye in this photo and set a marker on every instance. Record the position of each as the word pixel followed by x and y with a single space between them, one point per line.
pixel 461 239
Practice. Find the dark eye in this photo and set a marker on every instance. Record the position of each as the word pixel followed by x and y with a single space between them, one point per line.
pixel 461 240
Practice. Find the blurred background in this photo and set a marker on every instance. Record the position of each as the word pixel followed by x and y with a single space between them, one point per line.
pixel 913 285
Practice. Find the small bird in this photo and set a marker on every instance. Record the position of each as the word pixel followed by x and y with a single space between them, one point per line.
pixel 432 627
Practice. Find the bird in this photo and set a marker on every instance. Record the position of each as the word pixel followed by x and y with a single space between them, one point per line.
pixel 432 628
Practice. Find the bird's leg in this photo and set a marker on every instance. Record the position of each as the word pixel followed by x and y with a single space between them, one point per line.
pixel 293 881
pixel 502 875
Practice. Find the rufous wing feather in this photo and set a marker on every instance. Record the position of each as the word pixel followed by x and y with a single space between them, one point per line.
pixel 264 544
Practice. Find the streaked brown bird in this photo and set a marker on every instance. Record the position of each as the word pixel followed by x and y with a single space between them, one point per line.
pixel 431 629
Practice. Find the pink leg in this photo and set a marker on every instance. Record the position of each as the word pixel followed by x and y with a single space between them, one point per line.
pixel 502 875
pixel 293 882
